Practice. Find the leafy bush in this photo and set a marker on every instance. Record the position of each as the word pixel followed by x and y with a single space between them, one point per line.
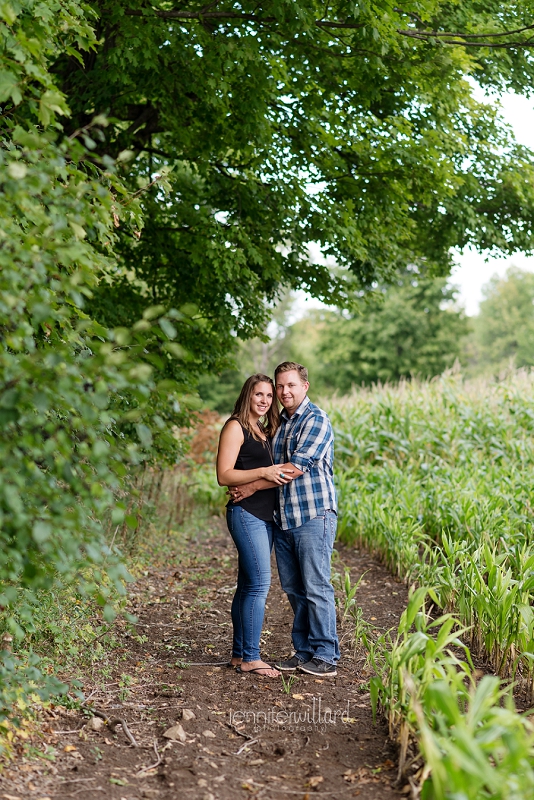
pixel 79 404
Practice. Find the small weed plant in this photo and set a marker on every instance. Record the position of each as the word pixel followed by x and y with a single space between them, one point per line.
pixel 287 682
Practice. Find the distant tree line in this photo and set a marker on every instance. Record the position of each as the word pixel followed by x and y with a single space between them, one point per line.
pixel 412 328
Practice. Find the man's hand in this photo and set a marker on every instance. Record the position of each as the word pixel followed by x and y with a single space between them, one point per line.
pixel 238 493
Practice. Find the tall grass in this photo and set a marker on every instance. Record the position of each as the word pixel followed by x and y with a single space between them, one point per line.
pixel 438 479
pixel 474 743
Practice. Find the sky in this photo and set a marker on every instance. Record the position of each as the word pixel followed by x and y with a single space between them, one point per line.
pixel 472 270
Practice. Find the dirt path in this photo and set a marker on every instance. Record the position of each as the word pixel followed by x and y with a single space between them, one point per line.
pixel 249 737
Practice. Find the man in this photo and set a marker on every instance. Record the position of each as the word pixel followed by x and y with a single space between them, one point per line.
pixel 305 522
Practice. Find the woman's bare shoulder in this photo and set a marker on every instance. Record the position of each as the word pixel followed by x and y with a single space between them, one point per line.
pixel 233 423
pixel 232 429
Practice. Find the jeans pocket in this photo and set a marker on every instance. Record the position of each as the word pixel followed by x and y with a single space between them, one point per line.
pixel 331 525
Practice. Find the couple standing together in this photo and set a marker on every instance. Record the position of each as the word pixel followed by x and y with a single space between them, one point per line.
pixel 279 470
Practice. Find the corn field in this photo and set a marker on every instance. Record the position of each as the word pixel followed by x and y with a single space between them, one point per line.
pixel 437 479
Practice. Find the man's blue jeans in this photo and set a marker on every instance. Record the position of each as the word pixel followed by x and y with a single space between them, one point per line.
pixel 253 539
pixel 303 556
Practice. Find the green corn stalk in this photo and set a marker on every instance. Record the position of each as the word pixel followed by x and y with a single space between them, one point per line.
pixel 437 479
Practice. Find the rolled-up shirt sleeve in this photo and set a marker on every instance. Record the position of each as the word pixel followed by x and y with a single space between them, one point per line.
pixel 314 439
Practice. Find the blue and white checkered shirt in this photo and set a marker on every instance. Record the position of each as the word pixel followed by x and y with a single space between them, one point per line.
pixel 305 439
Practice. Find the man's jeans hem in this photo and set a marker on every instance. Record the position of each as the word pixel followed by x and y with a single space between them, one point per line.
pixel 303 659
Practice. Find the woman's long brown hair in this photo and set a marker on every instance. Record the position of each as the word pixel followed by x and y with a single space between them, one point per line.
pixel 241 412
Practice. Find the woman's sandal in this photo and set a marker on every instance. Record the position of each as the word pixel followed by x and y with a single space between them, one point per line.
pixel 259 670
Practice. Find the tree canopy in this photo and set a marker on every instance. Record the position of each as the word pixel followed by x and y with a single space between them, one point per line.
pixel 80 403
pixel 352 125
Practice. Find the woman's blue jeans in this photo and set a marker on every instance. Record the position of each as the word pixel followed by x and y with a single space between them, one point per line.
pixel 253 539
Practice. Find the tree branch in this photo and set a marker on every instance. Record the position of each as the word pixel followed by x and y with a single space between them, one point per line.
pixel 199 15
pixel 155 151
pixel 438 34
pixel 348 25
pixel 204 15
pixel 425 36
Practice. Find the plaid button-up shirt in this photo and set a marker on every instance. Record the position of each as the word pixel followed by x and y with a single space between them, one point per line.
pixel 305 439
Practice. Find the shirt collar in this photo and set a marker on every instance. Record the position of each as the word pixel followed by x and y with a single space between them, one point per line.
pixel 300 409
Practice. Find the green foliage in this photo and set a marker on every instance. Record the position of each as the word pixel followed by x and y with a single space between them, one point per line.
pixel 219 392
pixel 407 329
pixel 79 403
pixel 355 128
pixel 259 354
pixel 474 742
pixel 504 327
pixel 410 328
pixel 437 478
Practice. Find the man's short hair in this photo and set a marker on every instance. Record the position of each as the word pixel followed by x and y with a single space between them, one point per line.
pixel 287 366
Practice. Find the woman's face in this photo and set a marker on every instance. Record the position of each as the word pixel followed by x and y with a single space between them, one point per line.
pixel 261 400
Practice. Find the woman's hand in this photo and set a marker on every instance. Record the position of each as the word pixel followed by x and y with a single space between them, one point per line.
pixel 276 474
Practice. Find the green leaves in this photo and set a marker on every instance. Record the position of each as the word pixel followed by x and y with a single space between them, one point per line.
pixel 145 434
pixel 474 744
pixel 364 138
pixel 504 328
pixel 407 329
pixel 41 531
pixel 67 382
pixel 8 87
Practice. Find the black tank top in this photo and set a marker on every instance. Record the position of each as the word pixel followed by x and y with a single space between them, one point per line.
pixel 254 454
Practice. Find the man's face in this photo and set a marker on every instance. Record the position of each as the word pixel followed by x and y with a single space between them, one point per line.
pixel 290 390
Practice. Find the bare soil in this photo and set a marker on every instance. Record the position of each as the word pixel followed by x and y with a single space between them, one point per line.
pixel 250 737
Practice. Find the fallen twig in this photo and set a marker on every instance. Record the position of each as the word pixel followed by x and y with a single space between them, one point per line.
pixel 247 744
pixel 272 788
pixel 111 723
pixel 152 766
pixel 76 730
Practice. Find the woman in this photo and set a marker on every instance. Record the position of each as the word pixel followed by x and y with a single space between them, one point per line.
pixel 245 454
